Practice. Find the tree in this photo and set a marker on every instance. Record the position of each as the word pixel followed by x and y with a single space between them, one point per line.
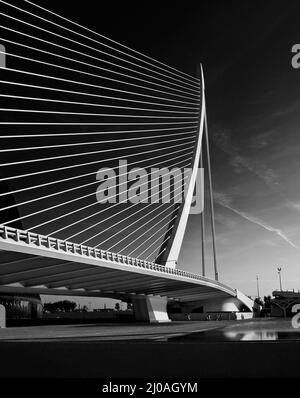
pixel 267 302
pixel 48 307
pixel 68 306
pixel 259 301
pixel 60 306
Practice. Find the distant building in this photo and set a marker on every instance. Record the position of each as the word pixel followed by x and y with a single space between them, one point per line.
pixel 283 302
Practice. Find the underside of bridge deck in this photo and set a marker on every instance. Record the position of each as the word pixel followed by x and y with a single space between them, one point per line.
pixel 50 275
pixel 30 268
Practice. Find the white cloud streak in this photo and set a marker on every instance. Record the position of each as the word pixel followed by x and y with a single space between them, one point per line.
pixel 225 201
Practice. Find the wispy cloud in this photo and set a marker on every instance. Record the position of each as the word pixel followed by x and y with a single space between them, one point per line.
pixel 292 107
pixel 223 139
pixel 263 140
pixel 294 205
pixel 225 220
pixel 226 201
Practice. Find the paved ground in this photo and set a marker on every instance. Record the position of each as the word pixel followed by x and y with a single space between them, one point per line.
pixel 254 330
pixel 102 351
pixel 106 331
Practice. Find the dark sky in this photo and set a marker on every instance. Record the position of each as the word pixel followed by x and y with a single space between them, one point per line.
pixel 253 102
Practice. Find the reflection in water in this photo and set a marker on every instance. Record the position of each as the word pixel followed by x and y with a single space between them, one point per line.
pixel 277 330
pixel 251 336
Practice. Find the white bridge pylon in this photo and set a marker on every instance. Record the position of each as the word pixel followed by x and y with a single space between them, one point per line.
pixel 172 248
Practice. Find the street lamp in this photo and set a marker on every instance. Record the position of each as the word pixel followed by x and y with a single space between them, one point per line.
pixel 257 285
pixel 279 274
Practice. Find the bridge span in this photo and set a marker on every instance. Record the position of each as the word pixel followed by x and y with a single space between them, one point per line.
pixel 33 263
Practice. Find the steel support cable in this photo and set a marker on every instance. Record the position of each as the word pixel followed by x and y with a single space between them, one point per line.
pixel 124 248
pixel 89 124
pixel 95 95
pixel 211 197
pixel 108 228
pixel 70 189
pixel 157 247
pixel 88 163
pixel 90 153
pixel 93 104
pixel 146 240
pixel 162 235
pixel 144 233
pixel 134 222
pixel 149 238
pixel 83 175
pixel 92 143
pixel 122 230
pixel 97 86
pixel 186 76
pixel 161 244
pixel 55 207
pixel 137 229
pixel 161 252
pixel 71 134
pixel 202 218
pixel 117 223
pixel 86 55
pixel 141 226
pixel 191 79
pixel 101 211
pixel 86 63
pixel 96 114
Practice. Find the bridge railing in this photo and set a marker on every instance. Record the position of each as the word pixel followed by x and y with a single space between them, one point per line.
pixel 31 238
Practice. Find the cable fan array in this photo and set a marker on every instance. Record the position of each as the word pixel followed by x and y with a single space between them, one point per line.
pixel 72 102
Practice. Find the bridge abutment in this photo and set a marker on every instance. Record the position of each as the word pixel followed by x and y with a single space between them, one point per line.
pixel 152 309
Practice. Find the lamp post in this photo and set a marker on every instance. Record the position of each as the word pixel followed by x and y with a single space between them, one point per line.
pixel 257 285
pixel 279 274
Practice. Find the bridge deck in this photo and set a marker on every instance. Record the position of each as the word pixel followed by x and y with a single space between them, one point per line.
pixel 35 263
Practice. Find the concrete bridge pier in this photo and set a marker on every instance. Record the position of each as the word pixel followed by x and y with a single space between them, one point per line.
pixel 152 309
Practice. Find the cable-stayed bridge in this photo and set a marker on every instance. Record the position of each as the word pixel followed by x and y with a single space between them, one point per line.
pixel 100 147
